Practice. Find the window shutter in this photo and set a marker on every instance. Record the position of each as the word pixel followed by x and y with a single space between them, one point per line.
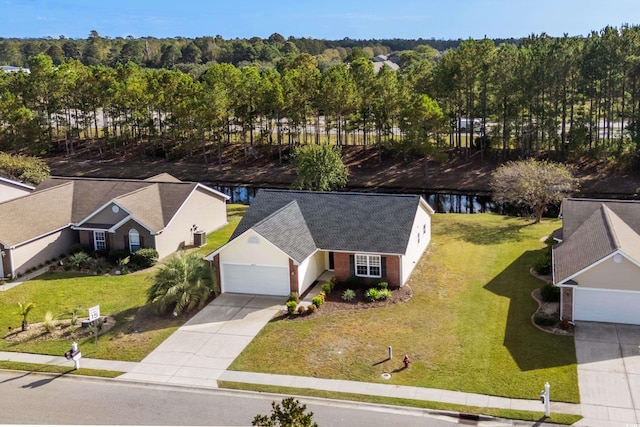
pixel 352 265
pixel 126 242
pixel 141 241
pixel 106 240
pixel 383 266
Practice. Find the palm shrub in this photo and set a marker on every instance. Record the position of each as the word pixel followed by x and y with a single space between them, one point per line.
pixel 183 284
pixel 23 311
pixel 79 260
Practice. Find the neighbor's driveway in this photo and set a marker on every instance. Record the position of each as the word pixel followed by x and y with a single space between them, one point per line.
pixel 200 351
pixel 608 373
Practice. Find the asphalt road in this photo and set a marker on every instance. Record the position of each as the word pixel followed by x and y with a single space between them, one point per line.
pixel 48 399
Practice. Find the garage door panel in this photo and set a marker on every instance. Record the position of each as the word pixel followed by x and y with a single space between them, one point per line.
pixel 255 279
pixel 607 306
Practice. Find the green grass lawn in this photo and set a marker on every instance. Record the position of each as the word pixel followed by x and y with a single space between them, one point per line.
pixel 466 328
pixel 137 332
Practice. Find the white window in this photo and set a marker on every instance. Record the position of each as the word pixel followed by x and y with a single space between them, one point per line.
pixel 368 266
pixel 99 240
pixel 134 240
pixel 418 237
pixel 424 229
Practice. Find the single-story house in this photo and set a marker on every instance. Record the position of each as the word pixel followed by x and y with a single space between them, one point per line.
pixel 287 239
pixel 597 262
pixel 10 189
pixel 160 212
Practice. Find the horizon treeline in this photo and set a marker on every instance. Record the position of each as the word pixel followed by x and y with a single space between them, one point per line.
pixel 542 96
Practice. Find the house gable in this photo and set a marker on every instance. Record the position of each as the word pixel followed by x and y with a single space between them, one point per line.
pixel 615 272
pixel 252 248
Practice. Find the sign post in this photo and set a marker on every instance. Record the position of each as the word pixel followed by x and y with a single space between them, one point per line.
pixel 94 316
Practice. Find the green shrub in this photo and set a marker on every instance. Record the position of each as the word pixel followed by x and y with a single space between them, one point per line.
pixel 382 285
pixel 78 247
pixel 302 309
pixel 353 282
pixel 333 282
pixel 79 260
pixel 348 295
pixel 322 295
pixel 543 264
pixel 291 306
pixel 294 296
pixel 383 294
pixel 145 257
pixel 543 319
pixel 117 254
pixel 312 308
pixel 550 293
pixel 317 301
pixel 372 294
pixel 326 288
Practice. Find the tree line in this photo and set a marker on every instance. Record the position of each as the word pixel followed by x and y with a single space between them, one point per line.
pixel 543 96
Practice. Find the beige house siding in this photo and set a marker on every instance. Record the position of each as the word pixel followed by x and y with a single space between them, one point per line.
pixel 611 275
pixel 107 216
pixel 39 251
pixel 208 212
pixel 10 192
pixel 251 247
pixel 310 269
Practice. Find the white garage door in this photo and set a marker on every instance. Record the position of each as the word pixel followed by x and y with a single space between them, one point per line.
pixel 255 279
pixel 607 306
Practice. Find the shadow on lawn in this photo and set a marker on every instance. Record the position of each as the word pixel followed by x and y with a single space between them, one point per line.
pixel 479 234
pixel 530 348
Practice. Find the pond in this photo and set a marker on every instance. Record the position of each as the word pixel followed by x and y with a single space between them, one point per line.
pixel 440 202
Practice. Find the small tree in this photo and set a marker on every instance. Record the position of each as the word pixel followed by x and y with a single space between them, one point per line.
pixel 319 167
pixel 290 414
pixel 532 182
pixel 23 311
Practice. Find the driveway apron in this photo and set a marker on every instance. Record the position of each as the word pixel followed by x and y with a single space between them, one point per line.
pixel 608 373
pixel 204 347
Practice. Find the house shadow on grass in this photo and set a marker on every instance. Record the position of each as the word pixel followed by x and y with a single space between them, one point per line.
pixel 479 234
pixel 530 348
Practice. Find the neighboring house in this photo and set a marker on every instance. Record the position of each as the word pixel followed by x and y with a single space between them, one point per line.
pixel 287 239
pixel 597 263
pixel 10 189
pixel 160 212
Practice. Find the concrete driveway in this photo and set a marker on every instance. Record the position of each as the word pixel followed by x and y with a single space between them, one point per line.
pixel 200 351
pixel 608 373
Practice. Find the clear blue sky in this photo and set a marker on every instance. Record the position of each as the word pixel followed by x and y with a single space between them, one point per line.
pixel 322 19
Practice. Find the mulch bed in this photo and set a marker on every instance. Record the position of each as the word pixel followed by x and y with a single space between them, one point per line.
pixel 334 302
pixel 60 329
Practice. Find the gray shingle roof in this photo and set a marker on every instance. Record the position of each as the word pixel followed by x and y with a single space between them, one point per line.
pixel 353 222
pixel 287 229
pixel 576 211
pixel 600 235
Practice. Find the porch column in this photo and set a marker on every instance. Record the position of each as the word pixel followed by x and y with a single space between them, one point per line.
pixel 566 308
pixel 293 277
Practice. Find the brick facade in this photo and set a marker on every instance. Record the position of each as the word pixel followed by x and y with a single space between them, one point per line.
pixel 215 264
pixel 567 304
pixel 342 268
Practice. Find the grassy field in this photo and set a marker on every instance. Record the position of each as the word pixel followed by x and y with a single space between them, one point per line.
pixel 466 328
pixel 137 332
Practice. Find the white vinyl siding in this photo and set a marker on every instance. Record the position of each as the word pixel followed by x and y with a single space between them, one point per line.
pixel 368 265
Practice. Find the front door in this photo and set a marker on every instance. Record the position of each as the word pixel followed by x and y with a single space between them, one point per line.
pixel 331 266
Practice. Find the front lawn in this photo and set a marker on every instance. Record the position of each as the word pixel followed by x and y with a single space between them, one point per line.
pixel 138 330
pixel 466 328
